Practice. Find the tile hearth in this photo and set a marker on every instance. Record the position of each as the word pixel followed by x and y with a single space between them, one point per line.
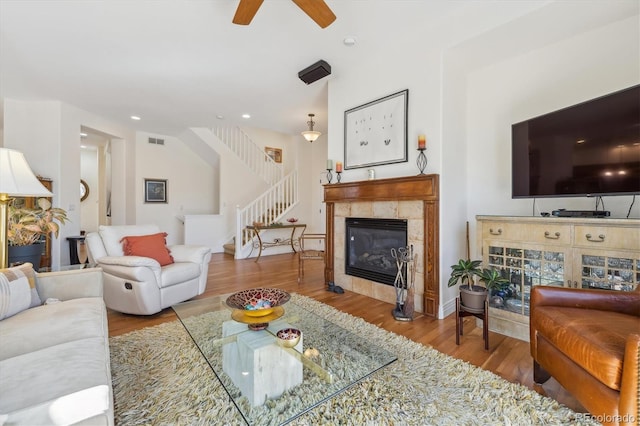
pixel 410 210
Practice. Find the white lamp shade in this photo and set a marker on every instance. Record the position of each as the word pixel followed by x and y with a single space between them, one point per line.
pixel 16 177
pixel 311 135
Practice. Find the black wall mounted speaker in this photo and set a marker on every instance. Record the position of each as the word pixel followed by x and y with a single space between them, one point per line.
pixel 315 72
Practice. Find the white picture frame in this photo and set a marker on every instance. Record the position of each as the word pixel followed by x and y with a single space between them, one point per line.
pixel 376 133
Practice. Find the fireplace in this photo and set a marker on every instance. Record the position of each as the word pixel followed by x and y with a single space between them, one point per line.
pixel 414 198
pixel 368 244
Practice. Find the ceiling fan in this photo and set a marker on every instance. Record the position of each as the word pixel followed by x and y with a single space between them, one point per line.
pixel 316 9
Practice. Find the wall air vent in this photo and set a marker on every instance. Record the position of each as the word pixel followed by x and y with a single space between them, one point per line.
pixel 156 141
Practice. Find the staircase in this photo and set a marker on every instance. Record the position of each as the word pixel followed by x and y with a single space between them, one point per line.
pixel 272 205
pixel 277 211
pixel 251 154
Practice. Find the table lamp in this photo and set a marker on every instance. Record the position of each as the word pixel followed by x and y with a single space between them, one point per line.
pixel 16 180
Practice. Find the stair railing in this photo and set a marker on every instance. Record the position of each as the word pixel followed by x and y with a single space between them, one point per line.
pixel 250 153
pixel 268 208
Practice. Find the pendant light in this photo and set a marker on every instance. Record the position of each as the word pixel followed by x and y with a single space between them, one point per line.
pixel 310 134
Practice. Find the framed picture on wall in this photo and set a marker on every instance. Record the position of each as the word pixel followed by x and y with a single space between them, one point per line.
pixel 274 153
pixel 376 133
pixel 155 190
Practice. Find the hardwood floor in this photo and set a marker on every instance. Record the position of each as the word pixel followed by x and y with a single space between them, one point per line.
pixel 506 357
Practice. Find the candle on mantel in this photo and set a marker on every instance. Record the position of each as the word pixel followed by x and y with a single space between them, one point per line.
pixel 422 142
pixel 329 164
pixel 338 166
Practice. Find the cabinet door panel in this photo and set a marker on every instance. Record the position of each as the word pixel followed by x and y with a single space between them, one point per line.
pixel 608 270
pixel 525 266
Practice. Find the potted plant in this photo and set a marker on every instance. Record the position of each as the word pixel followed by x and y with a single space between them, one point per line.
pixel 493 280
pixel 27 228
pixel 471 296
pixel 496 284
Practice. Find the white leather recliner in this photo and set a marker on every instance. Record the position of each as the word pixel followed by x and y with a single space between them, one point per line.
pixel 139 285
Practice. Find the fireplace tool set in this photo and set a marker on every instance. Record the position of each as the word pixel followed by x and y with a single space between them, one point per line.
pixel 404 282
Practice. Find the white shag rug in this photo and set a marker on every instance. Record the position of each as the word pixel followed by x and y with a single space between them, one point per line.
pixel 161 378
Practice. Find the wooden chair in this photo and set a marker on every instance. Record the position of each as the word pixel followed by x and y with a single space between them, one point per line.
pixel 311 247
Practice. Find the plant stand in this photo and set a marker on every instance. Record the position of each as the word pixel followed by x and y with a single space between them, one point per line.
pixel 462 311
pixel 404 283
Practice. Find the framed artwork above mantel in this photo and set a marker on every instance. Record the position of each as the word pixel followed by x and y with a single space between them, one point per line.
pixel 376 133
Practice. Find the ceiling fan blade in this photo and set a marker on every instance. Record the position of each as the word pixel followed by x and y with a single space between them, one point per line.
pixel 246 11
pixel 317 10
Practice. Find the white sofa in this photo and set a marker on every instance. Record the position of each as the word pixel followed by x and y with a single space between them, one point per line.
pixel 140 285
pixel 54 358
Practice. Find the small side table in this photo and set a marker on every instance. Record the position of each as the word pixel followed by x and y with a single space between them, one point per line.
pixel 291 240
pixel 462 311
pixel 74 259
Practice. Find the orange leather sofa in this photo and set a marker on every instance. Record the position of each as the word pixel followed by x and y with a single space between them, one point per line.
pixel 589 341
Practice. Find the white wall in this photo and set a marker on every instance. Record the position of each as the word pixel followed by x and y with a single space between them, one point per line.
pixel 468 84
pixel 313 159
pixel 190 184
pixel 272 139
pixel 576 69
pixel 89 173
pixel 309 159
pixel 436 109
pixel 239 186
pixel 48 133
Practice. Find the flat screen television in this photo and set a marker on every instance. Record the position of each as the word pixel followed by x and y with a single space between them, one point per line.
pixel 589 149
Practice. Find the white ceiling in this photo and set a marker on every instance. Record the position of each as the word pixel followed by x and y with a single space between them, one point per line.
pixel 181 63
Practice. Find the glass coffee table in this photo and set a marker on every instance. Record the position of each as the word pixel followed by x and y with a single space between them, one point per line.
pixel 270 383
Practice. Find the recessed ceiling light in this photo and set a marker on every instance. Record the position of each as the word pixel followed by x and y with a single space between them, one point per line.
pixel 83 146
pixel 135 117
pixel 349 41
pixel 219 117
pixel 581 141
pixel 246 115
pixel 83 135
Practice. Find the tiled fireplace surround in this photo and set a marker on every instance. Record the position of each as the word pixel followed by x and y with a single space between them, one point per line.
pixel 414 198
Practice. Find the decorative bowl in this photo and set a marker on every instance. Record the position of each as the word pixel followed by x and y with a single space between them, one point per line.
pixel 288 337
pixel 258 302
pixel 240 316
pixel 292 220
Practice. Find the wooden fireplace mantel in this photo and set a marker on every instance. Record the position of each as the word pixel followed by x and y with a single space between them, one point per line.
pixel 410 188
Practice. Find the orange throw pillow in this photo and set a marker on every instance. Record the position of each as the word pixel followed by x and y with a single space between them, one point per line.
pixel 153 246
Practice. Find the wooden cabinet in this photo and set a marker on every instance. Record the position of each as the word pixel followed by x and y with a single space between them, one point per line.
pixel 566 252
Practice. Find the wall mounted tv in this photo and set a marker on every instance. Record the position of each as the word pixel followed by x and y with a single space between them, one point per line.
pixel 589 149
